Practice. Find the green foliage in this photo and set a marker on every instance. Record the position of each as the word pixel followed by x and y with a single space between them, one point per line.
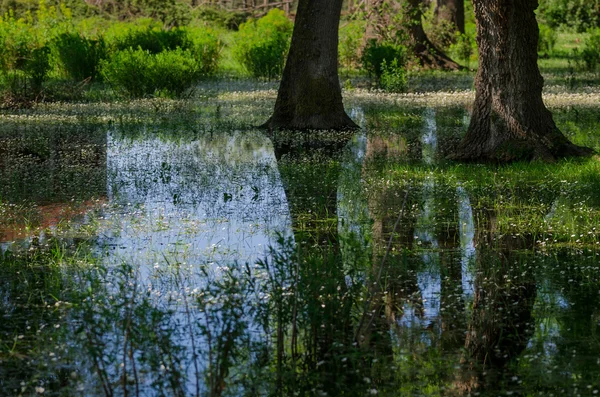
pixel 393 76
pixel 547 39
pixel 221 17
pixel 442 33
pixel 206 48
pixel 351 37
pixel 79 56
pixel 147 37
pixel 375 54
pixel 139 73
pixel 37 66
pixel 261 46
pixel 591 50
pixel 462 48
pixel 20 37
pixel 577 14
pixel 17 39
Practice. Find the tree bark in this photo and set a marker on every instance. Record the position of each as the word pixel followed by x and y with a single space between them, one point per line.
pixel 452 11
pixel 510 121
pixel 310 96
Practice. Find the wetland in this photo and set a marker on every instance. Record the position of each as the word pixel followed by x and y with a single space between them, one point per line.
pixel 164 247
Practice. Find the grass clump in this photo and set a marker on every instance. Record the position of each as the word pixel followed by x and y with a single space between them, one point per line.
pixel 262 45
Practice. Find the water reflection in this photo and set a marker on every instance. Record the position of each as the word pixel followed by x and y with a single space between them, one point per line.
pixel 244 264
pixel 215 199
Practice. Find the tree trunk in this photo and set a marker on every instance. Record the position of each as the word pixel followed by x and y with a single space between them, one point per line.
pixel 510 121
pixel 310 96
pixel 426 53
pixel 452 11
pixel 383 26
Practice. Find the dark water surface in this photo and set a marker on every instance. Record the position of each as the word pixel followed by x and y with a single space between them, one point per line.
pixel 138 260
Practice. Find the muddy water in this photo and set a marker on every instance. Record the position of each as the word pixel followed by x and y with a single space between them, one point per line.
pixel 249 264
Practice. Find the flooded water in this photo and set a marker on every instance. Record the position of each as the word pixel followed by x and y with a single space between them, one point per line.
pixel 139 260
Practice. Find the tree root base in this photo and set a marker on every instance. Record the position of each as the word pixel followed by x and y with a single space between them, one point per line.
pixel 511 151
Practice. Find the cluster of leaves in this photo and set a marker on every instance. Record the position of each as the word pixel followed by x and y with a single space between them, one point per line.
pixel 80 56
pixel 387 63
pixel 591 50
pixel 139 73
pixel 262 45
pixel 350 45
pixel 575 14
pixel 547 39
pixel 26 59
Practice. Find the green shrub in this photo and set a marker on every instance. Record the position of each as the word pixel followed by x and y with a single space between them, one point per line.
pixel 462 48
pixel 37 66
pixel 206 48
pixel 80 57
pixel 139 73
pixel 150 39
pixel 17 40
pixel 591 50
pixel 261 46
pixel 547 39
pixel 375 54
pixel 24 86
pixel 351 38
pixel 393 76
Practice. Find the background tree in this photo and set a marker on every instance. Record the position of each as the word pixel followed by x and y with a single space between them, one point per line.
pixel 510 121
pixel 387 19
pixel 452 11
pixel 310 96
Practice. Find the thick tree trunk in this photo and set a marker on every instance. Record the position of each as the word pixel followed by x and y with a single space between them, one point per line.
pixel 310 96
pixel 510 121
pixel 452 11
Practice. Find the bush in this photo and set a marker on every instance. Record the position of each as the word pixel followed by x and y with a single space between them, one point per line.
pixel 37 66
pixel 376 54
pixel 80 57
pixel 17 40
pixel 547 39
pixel 261 46
pixel 351 38
pixel 206 48
pixel 393 76
pixel 139 73
pixel 591 50
pixel 149 38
